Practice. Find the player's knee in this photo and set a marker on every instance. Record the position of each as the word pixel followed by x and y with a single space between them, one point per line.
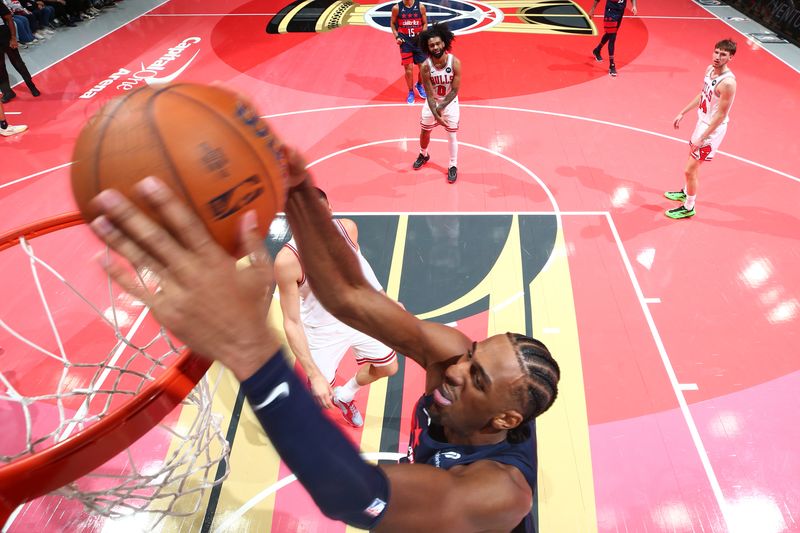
pixel 390 369
pixel 385 371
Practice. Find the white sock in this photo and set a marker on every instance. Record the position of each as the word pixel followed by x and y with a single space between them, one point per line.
pixel 424 152
pixel 348 391
pixel 453 145
pixel 689 203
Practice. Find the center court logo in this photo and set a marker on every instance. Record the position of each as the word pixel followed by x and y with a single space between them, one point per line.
pixel 462 16
pixel 154 73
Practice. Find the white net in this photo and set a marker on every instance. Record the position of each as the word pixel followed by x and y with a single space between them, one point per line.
pixel 73 349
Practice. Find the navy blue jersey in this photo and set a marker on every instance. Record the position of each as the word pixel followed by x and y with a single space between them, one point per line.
pixel 423 448
pixel 409 20
pixel 615 7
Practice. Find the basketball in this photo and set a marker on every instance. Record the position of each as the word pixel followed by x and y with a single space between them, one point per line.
pixel 206 143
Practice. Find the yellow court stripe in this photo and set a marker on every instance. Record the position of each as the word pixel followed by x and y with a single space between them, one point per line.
pixel 566 484
pixel 249 477
pixel 373 419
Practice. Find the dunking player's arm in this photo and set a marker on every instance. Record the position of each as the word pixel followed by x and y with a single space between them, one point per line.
pixel 338 283
pixel 288 273
pixel 221 312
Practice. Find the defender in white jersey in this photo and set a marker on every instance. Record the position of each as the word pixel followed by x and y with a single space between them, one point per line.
pixel 441 76
pixel 319 340
pixel 713 105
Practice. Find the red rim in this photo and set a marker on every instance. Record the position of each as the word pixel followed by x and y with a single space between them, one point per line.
pixel 38 474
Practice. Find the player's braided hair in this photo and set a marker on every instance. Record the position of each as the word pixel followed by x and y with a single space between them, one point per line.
pixel 539 391
pixel 440 30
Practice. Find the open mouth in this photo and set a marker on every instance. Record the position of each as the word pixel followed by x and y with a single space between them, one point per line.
pixel 441 396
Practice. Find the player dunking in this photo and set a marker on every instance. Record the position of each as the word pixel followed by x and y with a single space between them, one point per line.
pixel 473 447
pixel 318 340
pixel 713 105
pixel 409 19
pixel 441 74
pixel 612 19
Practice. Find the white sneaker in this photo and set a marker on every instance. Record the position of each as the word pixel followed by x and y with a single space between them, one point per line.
pixel 48 31
pixel 12 130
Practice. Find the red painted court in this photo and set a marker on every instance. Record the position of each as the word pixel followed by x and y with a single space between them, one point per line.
pixel 678 340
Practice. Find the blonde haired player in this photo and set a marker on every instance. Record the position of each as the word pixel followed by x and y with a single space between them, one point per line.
pixel 713 105
pixel 320 341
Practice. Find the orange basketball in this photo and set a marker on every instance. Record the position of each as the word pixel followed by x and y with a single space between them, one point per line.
pixel 207 143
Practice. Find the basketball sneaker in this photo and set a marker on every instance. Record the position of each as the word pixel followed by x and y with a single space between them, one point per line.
pixel 349 410
pixel 596 54
pixel 677 196
pixel 680 212
pixel 452 174
pixel 12 130
pixel 421 91
pixel 612 70
pixel 421 160
pixel 410 97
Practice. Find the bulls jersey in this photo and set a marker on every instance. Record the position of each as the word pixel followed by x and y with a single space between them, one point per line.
pixel 442 79
pixel 709 99
pixel 409 19
pixel 425 448
pixel 312 314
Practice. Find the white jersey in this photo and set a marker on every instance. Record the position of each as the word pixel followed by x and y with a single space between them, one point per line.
pixel 442 79
pixel 709 99
pixel 312 314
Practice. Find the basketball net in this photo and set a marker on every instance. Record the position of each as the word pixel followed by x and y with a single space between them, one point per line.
pixel 84 373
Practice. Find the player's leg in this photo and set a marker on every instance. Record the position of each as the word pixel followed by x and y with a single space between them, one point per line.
pixel 407 60
pixel 419 58
pixel 7 130
pixel 612 27
pixel 375 360
pixel 599 47
pixel 452 116
pixel 691 175
pixel 427 123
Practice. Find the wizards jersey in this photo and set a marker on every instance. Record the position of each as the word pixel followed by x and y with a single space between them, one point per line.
pixel 423 448
pixel 409 20
pixel 615 7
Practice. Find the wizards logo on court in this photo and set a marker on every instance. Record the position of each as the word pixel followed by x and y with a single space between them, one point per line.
pixel 462 16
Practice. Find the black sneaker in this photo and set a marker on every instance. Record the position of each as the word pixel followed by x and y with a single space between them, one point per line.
pixel 7 97
pixel 421 160
pixel 452 174
pixel 596 54
pixel 34 91
pixel 613 70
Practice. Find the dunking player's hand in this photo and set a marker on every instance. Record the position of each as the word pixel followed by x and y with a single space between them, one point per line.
pixel 215 308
